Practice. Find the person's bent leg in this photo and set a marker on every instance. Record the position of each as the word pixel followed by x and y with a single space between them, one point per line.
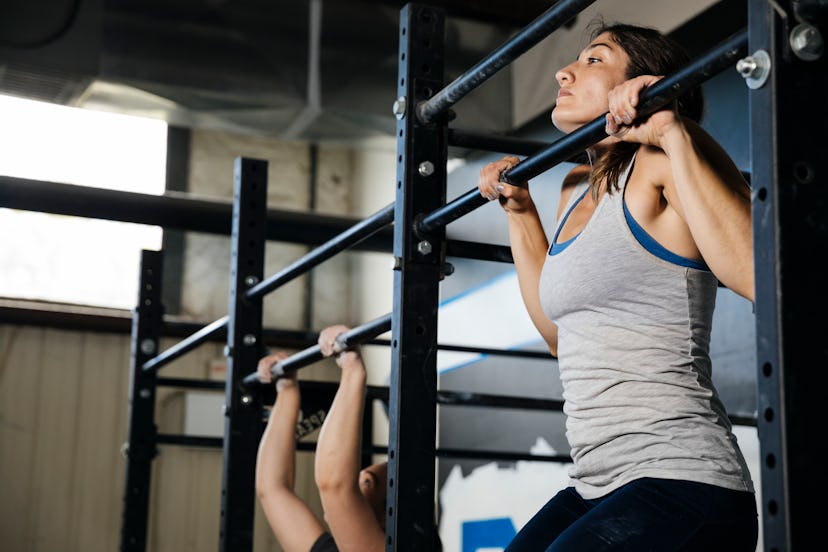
pixel 732 526
pixel 560 512
pixel 662 515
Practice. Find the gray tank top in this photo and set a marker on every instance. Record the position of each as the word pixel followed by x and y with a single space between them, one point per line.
pixel 634 326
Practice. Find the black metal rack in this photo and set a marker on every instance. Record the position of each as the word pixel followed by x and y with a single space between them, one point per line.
pixel 789 125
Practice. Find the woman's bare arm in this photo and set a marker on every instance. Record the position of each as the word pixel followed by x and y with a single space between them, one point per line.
pixel 350 517
pixel 527 239
pixel 294 524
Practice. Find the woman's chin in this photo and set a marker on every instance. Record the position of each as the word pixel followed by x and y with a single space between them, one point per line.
pixel 562 125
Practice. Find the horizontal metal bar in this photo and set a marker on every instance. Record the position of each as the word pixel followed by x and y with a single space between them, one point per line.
pixel 479 251
pixel 442 452
pixel 313 354
pixel 463 454
pixel 179 211
pixel 69 317
pixel 92 319
pixel 494 142
pixel 175 210
pixel 366 331
pixel 95 319
pixel 305 446
pixel 187 383
pixel 444 398
pixel 502 144
pixel 190 441
pixel 460 398
pixel 657 96
pixel 559 14
pixel 466 454
pixel 541 355
pixel 498 455
pixel 742 420
pixel 218 442
pixel 347 239
pixel 185 345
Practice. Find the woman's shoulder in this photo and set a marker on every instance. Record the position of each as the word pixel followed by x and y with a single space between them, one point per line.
pixel 653 163
pixel 578 175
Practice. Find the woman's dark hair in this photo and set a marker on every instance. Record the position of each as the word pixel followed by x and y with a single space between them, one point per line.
pixel 650 53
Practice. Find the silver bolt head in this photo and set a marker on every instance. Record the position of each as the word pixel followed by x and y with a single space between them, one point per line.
pixel 755 69
pixel 145 393
pixel 806 42
pixel 399 107
pixel 251 280
pixel 746 66
pixel 249 339
pixel 424 247
pixel 426 168
pixel 246 399
pixel 148 346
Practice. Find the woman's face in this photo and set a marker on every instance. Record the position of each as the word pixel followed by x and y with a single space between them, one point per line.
pixel 586 82
pixel 372 485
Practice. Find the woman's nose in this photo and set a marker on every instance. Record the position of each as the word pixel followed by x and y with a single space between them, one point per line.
pixel 563 75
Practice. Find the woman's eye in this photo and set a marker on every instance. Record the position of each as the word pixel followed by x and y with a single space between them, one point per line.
pixel 591 60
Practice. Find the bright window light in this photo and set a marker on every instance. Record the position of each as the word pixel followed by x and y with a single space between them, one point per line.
pixel 72 259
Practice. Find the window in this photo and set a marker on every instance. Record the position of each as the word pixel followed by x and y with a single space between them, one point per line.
pixel 71 259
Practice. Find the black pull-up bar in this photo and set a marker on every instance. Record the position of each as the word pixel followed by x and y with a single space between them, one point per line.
pixel 343 241
pixel 559 14
pixel 357 233
pixel 657 96
pixel 501 143
pixel 185 345
pixel 312 354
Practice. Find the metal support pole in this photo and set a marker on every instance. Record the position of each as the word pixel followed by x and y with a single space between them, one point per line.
pixel 242 424
pixel 418 259
pixel 788 76
pixel 366 458
pixel 140 448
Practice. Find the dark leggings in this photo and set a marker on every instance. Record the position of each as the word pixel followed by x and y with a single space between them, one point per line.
pixel 657 515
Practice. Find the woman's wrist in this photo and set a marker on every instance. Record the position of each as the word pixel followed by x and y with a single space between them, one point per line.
pixel 674 137
pixel 515 207
pixel 286 384
pixel 349 360
pixel 350 363
pixel 524 212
